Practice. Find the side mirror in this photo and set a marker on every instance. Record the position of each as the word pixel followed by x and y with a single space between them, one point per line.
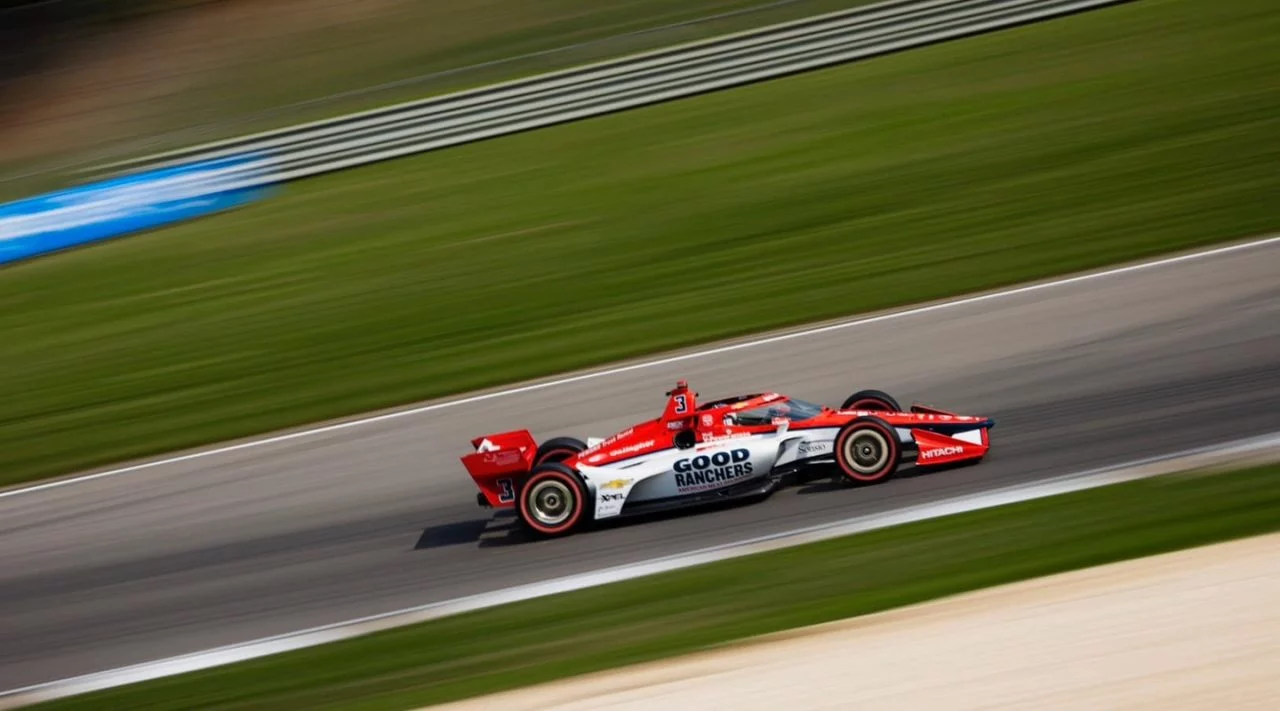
pixel 685 439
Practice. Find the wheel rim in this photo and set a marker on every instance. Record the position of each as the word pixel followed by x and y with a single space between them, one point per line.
pixel 551 502
pixel 866 452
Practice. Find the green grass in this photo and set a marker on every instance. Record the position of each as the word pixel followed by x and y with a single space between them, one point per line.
pixel 684 611
pixel 1108 136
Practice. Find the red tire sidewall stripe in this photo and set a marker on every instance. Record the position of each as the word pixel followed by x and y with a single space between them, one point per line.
pixel 889 436
pixel 577 495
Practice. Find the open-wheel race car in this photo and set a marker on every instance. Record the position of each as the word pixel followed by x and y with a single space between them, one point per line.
pixel 736 447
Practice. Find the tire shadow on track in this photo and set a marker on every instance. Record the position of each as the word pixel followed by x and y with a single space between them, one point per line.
pixel 455 533
pixel 497 531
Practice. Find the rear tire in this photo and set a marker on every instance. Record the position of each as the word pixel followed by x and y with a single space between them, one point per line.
pixel 868 451
pixel 552 501
pixel 876 400
pixel 558 449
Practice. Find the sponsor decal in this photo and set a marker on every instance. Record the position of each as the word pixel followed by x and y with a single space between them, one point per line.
pixel 809 449
pixel 708 420
pixel 594 458
pixel 631 448
pixel 621 435
pixel 503 458
pixel 612 497
pixel 710 471
pixel 675 425
pixel 616 484
pixel 723 437
pixel 941 452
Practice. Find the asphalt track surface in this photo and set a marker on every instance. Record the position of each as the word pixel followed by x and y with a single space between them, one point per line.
pixel 313 530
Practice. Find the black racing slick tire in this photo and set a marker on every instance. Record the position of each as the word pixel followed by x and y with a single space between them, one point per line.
pixel 868 451
pixel 558 449
pixel 876 400
pixel 552 501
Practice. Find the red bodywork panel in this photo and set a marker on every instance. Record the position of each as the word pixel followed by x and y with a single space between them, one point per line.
pixel 643 438
pixel 498 468
pixel 650 436
pixel 681 403
pixel 937 449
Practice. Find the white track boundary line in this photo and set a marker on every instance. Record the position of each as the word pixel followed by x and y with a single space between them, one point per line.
pixel 1265 445
pixel 667 360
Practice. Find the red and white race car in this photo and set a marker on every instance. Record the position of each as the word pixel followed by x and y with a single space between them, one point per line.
pixel 736 447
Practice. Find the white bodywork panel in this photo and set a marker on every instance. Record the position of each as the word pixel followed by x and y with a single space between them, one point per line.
pixel 970 436
pixel 707 466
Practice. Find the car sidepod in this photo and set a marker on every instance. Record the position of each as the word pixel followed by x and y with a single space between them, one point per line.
pixel 675 477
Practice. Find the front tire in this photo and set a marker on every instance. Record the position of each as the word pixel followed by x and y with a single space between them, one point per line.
pixel 868 451
pixel 875 400
pixel 553 500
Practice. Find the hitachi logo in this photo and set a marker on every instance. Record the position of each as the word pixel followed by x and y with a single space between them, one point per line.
pixel 941 452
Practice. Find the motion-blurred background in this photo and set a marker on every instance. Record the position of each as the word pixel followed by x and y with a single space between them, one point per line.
pixel 86 80
pixel 1096 138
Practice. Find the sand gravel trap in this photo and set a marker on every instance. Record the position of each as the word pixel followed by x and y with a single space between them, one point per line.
pixel 1197 629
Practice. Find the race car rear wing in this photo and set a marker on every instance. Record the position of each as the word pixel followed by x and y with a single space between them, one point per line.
pixel 499 460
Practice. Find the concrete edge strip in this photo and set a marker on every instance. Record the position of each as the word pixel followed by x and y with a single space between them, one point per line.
pixel 1261 449
pixel 709 350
